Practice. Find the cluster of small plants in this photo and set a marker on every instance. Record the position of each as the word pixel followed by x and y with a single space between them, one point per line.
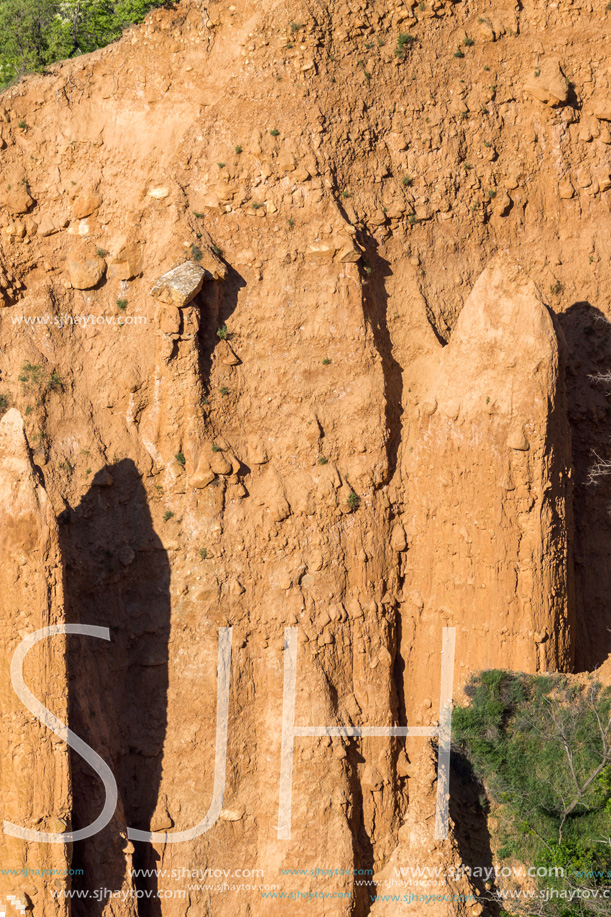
pixel 34 375
pixel 31 373
pixel 404 42
pixel 54 382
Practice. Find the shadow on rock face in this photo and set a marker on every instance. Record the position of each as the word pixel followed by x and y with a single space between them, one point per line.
pixel 117 576
pixel 588 337
pixel 468 812
pixel 375 307
pixel 217 302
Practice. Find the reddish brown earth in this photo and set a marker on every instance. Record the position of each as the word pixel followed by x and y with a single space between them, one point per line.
pixel 409 251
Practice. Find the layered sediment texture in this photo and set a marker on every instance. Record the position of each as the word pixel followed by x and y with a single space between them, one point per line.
pixel 305 326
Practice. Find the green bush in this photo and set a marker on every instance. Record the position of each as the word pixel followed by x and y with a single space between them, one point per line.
pixel 404 41
pixel 31 373
pixel 55 383
pixel 540 747
pixel 35 33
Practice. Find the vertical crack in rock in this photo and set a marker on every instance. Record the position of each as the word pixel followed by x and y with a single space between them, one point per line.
pixel 375 304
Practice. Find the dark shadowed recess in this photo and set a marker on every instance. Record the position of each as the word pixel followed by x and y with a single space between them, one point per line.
pixel 468 812
pixel 375 305
pixel 588 337
pixel 362 846
pixel 217 302
pixel 117 576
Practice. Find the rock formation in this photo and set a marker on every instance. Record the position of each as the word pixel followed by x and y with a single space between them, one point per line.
pixel 35 774
pixel 486 465
pixel 305 321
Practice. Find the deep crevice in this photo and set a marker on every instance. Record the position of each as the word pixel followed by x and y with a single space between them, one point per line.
pixel 588 336
pixel 375 304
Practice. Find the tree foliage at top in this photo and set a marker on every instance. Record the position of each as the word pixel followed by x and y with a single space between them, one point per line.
pixel 35 33
pixel 541 747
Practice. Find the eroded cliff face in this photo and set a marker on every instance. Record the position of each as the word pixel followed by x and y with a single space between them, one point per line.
pixel 486 468
pixel 359 427
pixel 34 771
